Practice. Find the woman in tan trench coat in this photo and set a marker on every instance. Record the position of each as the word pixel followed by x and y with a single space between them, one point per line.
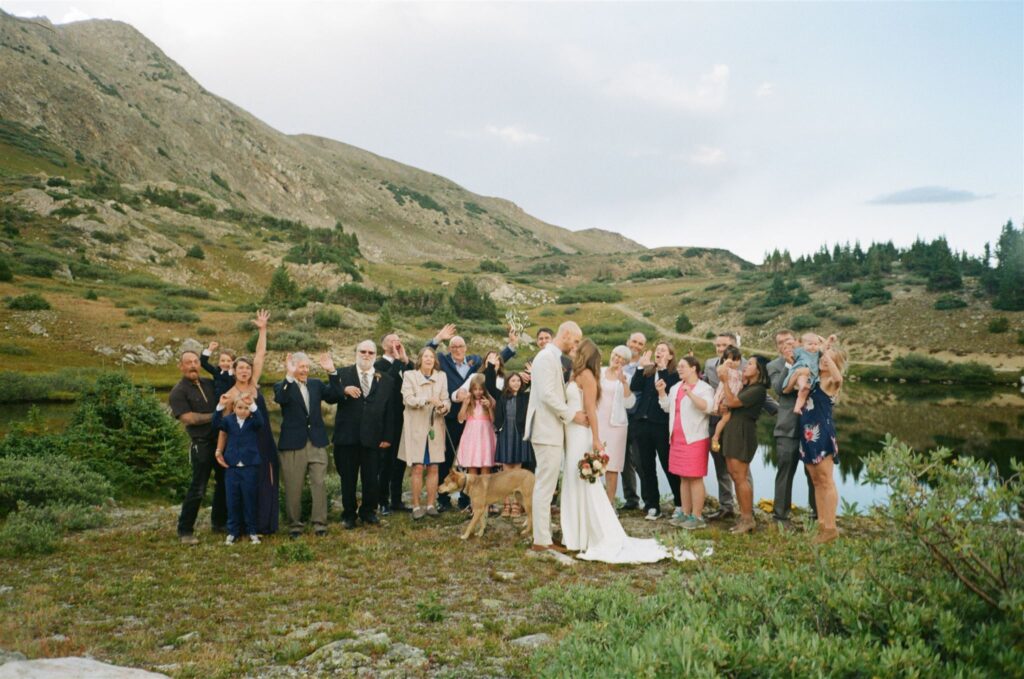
pixel 425 394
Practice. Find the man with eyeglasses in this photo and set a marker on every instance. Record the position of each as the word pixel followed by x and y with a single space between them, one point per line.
pixel 457 366
pixel 363 432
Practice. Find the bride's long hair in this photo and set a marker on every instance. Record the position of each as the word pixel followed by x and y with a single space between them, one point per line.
pixel 588 357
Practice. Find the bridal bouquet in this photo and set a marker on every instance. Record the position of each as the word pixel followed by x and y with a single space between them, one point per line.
pixel 592 466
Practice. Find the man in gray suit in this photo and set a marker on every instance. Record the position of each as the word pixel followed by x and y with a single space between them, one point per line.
pixel 726 499
pixel 787 432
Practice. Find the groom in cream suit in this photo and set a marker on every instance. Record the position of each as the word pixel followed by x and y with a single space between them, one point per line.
pixel 546 417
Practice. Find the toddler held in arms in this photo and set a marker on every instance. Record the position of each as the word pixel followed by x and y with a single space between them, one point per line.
pixel 805 365
pixel 731 358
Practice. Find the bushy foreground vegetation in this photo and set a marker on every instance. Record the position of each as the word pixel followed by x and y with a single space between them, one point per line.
pixel 938 590
pixel 918 368
pixel 121 442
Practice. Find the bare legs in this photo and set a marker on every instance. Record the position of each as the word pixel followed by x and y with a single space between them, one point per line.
pixel 417 484
pixel 827 498
pixel 744 494
pixel 692 492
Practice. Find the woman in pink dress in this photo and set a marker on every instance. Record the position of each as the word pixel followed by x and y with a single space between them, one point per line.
pixel 688 405
pixel 612 422
pixel 476 447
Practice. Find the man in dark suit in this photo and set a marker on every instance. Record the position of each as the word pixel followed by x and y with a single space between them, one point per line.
pixel 192 403
pixel 787 428
pixel 302 445
pixel 362 432
pixel 391 474
pixel 457 365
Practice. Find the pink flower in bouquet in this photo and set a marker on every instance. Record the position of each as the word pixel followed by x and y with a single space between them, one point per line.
pixel 605 458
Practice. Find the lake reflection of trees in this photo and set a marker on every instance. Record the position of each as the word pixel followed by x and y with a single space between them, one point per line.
pixel 985 423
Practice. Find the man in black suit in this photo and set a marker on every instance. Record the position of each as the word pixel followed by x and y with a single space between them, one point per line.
pixel 391 474
pixel 363 431
pixel 302 446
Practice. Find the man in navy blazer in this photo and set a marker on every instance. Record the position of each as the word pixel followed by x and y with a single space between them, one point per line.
pixel 363 431
pixel 302 446
pixel 457 366
pixel 238 451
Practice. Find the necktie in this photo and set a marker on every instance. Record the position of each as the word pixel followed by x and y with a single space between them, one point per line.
pixel 365 379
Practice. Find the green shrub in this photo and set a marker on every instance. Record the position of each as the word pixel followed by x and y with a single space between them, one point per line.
pixel 91 295
pixel 470 303
pixel 999 325
pixel 937 590
pixel 6 275
pixel 430 608
pixel 947 302
pixel 650 274
pixel 358 297
pixel 1020 337
pixel 493 266
pixel 48 479
pixel 206 331
pixel 555 268
pixel 431 264
pixel 683 323
pixel 869 294
pixel 57 181
pixel 288 340
pixel 195 252
pixel 804 322
pixel 10 349
pixel 327 318
pixel 30 302
pixel 24 535
pixel 919 368
pixel 166 315
pixel 590 292
pixel 282 291
pixel 844 321
pixel 193 293
pixel 140 280
pixel 758 316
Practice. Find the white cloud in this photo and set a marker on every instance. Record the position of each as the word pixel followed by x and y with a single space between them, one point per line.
pixel 651 82
pixel 707 155
pixel 514 135
pixel 765 89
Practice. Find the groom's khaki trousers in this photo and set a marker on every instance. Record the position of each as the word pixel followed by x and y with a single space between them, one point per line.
pixel 549 463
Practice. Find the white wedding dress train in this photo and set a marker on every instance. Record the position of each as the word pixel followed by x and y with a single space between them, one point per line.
pixel 589 522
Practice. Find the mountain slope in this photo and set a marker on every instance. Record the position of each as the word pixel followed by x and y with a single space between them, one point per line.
pixel 107 96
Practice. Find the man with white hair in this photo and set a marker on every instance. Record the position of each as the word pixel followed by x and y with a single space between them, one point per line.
pixel 363 432
pixel 546 417
pixel 302 446
pixel 457 366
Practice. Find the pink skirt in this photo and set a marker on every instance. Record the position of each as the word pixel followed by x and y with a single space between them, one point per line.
pixel 476 448
pixel 689 460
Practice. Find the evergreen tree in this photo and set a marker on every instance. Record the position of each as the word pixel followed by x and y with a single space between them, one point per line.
pixel 470 303
pixel 1009 272
pixel 778 293
pixel 384 322
pixel 282 291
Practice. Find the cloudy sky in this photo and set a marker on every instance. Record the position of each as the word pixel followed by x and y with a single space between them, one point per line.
pixel 739 125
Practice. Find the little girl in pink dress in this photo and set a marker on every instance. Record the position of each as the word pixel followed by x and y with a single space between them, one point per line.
pixel 476 448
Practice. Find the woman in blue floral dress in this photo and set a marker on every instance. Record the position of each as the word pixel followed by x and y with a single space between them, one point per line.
pixel 818 448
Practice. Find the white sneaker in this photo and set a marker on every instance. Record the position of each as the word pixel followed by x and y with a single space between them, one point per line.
pixel 254 539
pixel 652 514
pixel 229 540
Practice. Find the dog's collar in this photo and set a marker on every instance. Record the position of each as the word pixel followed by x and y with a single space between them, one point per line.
pixel 465 483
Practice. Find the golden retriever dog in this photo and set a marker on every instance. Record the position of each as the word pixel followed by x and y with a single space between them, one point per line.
pixel 485 489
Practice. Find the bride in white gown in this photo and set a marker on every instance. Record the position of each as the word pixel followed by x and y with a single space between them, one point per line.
pixel 589 523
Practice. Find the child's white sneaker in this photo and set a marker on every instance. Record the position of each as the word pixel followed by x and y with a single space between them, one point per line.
pixel 229 540
pixel 254 539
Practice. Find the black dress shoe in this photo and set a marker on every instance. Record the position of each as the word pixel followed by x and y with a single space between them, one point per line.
pixel 371 520
pixel 631 506
pixel 348 524
pixel 294 535
pixel 385 510
pixel 320 532
pixel 400 507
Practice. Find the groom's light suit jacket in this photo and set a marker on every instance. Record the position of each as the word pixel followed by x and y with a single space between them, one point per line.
pixel 547 413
